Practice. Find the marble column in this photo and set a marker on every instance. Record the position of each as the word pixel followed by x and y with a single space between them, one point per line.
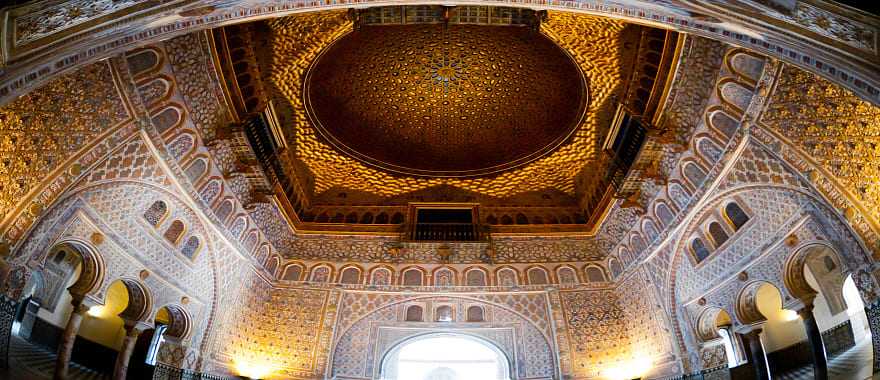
pixel 757 355
pixel 121 368
pixel 65 346
pixel 817 346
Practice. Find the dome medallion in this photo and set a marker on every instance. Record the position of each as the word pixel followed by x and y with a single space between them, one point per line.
pixel 454 101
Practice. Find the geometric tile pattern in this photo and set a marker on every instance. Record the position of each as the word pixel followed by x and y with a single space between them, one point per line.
pixel 41 131
pixel 280 326
pixel 831 126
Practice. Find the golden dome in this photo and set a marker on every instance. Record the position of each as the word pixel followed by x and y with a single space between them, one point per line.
pixel 437 100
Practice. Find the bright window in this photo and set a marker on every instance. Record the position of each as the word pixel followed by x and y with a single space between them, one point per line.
pixel 445 358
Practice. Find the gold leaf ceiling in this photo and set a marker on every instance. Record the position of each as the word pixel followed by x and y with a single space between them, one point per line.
pixel 452 101
pixel 602 48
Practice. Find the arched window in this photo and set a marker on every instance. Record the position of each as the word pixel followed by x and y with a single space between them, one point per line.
pixel 475 314
pixel 414 313
pixel 444 277
pixel 156 213
pixel 566 276
pixel 367 218
pixel 238 226
pixel 625 255
pixel 292 273
pixel 506 220
pixel 699 249
pixel 735 215
pixel 197 169
pixel 443 314
pixel 719 236
pixel 251 240
pixel 382 218
pixel 190 247
pixel 142 61
pixel 725 124
pixel 380 276
pixel 694 174
pixel 475 277
pixel 263 254
pixel 174 232
pixel 650 229
pixel 412 277
pixel 679 195
pixel 709 149
pixel 211 191
pixel 224 210
pixel 182 144
pixel 616 269
pixel 273 265
pixel 59 257
pixel 664 214
pixel 321 274
pixel 537 276
pixel 595 274
pixel 507 277
pixel 350 275
pixel 637 244
pixel 521 219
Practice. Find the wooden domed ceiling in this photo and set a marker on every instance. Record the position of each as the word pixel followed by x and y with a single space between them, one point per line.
pixel 380 108
pixel 445 100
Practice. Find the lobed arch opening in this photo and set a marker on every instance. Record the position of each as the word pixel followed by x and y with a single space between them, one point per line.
pixel 418 358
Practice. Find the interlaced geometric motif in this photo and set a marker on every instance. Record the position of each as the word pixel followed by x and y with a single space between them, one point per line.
pixel 832 126
pixel 43 129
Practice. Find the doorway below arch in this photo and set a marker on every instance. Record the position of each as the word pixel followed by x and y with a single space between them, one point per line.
pixel 445 356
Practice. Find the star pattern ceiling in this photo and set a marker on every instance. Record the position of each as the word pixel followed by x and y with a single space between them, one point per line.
pixel 602 48
pixel 452 101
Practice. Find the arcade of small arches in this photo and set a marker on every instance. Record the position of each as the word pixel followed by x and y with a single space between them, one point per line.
pixel 70 283
pixel 447 276
pixel 225 190
pixel 819 303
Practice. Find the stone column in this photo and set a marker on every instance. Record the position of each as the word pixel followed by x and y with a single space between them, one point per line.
pixel 757 355
pixel 65 347
pixel 131 335
pixel 817 346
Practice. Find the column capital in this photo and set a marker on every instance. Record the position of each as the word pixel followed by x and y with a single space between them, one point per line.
pixel 82 300
pixel 134 328
pixel 79 307
pixel 801 305
pixel 806 311
pixel 750 329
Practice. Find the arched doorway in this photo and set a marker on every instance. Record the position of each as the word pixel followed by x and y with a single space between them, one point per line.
pixel 818 277
pixel 445 356
pixel 172 325
pixel 714 329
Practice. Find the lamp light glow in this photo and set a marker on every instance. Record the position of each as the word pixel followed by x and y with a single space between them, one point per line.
pixel 254 368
